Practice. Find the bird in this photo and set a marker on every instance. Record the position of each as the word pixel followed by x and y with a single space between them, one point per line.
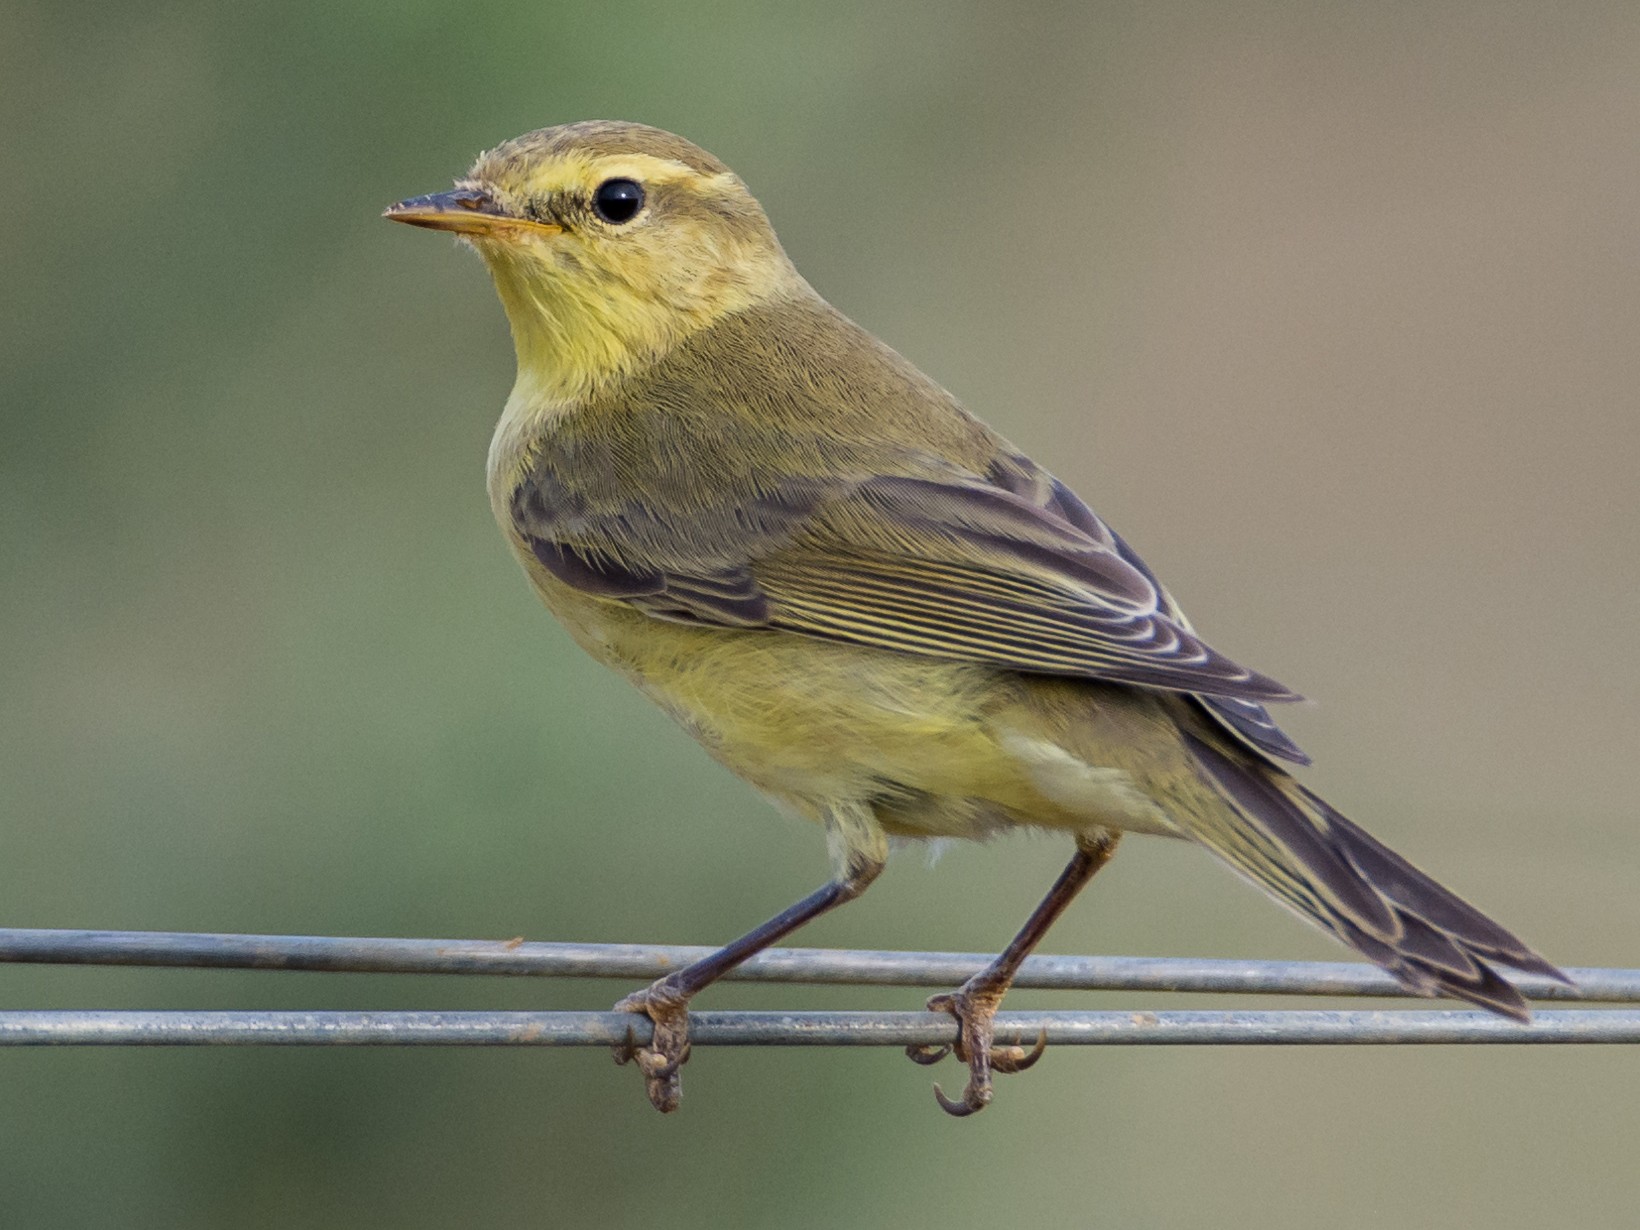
pixel 864 601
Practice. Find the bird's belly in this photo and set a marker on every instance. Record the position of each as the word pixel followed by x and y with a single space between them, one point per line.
pixel 941 749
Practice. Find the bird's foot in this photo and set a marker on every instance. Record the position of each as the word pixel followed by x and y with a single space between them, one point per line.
pixel 668 1048
pixel 975 1008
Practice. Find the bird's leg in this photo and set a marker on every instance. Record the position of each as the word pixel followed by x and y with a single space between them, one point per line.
pixel 974 1003
pixel 859 850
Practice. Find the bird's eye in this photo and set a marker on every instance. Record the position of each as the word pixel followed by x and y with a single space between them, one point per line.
pixel 618 200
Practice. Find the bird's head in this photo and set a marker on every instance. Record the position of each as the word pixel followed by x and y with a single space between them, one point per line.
pixel 609 243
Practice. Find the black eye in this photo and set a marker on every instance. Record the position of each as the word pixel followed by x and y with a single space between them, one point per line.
pixel 618 200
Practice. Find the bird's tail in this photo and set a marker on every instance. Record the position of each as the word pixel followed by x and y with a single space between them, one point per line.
pixel 1297 847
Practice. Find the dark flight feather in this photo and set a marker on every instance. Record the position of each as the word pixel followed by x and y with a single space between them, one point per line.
pixel 955 569
pixel 1433 941
pixel 1248 719
pixel 943 564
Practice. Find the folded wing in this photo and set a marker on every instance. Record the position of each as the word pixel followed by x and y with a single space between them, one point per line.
pixel 1008 568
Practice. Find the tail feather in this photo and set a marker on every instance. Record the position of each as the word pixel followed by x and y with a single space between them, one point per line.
pixel 1299 848
pixel 1403 883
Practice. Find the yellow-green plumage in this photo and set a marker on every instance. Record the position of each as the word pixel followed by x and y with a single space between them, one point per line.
pixel 853 593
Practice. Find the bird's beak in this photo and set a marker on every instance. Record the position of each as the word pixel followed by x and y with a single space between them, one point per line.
pixel 467 211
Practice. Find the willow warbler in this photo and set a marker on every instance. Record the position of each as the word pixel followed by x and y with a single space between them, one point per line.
pixel 858 596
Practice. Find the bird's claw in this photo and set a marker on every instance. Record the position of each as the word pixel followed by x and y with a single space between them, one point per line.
pixel 975 1011
pixel 1011 1059
pixel 925 1054
pixel 668 1048
pixel 975 1098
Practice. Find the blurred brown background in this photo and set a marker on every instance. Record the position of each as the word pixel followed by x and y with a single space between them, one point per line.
pixel 1332 309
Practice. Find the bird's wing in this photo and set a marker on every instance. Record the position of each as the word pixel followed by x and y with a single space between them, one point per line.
pixel 1007 568
pixel 1246 718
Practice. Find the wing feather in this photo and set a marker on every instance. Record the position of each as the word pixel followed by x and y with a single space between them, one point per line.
pixel 1009 568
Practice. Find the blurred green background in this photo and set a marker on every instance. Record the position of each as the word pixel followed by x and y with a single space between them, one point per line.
pixel 1332 309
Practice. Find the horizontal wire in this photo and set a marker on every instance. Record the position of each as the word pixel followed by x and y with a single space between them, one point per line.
pixel 788 965
pixel 68 1028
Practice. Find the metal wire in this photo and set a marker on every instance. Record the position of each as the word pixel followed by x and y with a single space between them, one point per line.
pixel 634 962
pixel 802 1028
pixel 637 962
